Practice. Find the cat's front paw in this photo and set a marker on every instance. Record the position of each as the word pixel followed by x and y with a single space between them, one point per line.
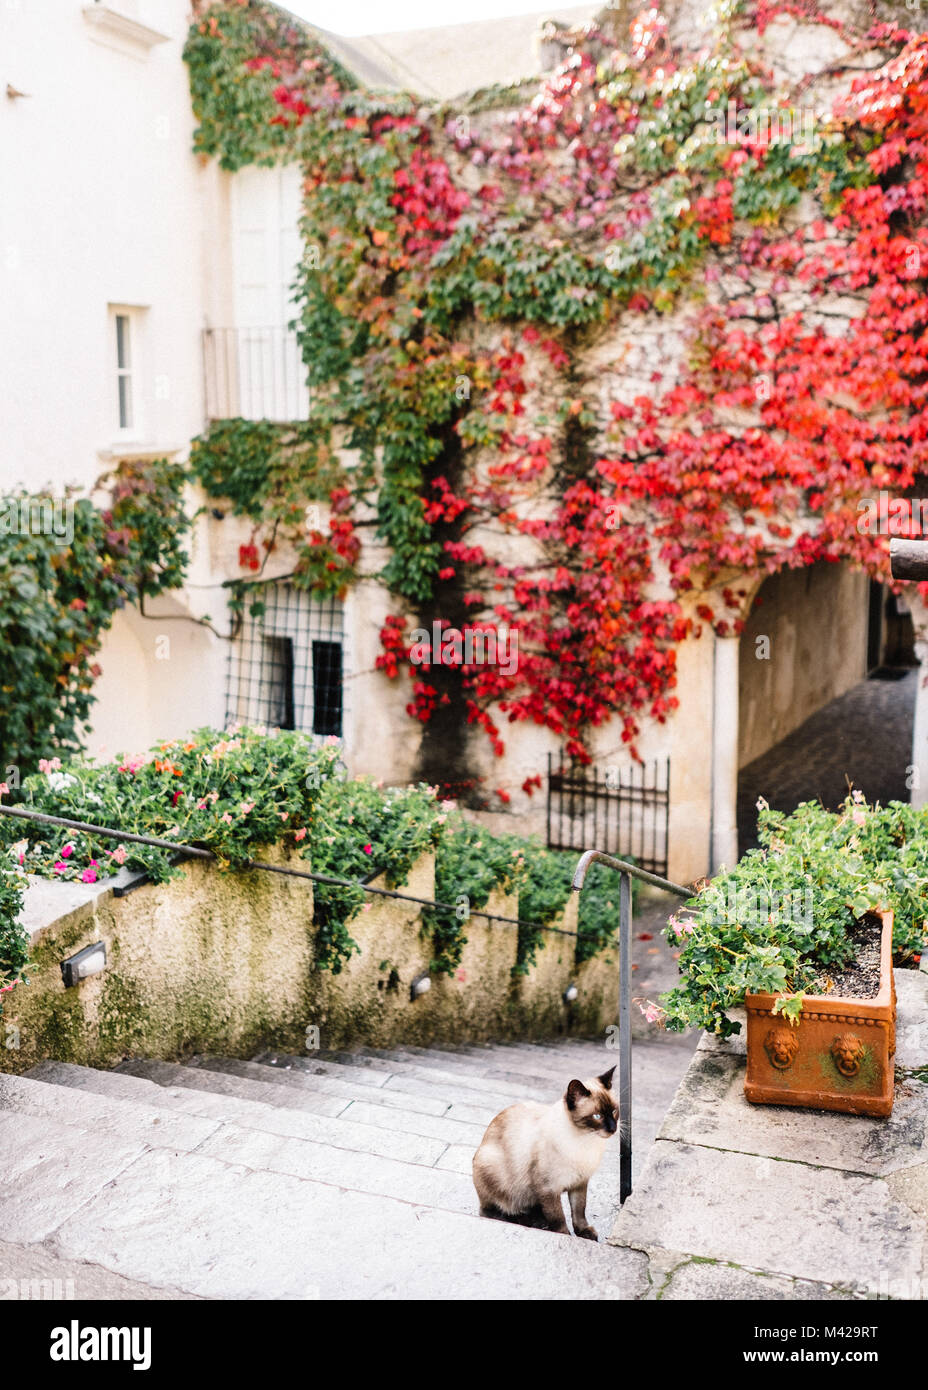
pixel 587 1233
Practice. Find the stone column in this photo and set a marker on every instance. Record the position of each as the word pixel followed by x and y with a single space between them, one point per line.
pixel 917 778
pixel 723 847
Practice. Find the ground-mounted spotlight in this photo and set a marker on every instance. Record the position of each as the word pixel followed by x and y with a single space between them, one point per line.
pixel 90 961
pixel 420 985
pixel 570 993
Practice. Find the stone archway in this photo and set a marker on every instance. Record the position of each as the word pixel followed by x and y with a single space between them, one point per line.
pixel 827 685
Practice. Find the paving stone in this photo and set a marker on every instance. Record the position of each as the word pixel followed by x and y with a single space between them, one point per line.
pixel 435 1126
pixel 786 1218
pixel 342 1134
pixel 710 1109
pixel 124 1119
pixel 676 1278
pixel 457 1158
pixel 35 1273
pixel 361 1172
pixel 856 736
pixel 217 1230
pixel 50 1170
pixel 912 1018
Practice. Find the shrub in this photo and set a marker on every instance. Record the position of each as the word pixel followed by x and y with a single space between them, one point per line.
pixel 358 830
pixel 14 940
pixel 230 793
pixel 470 863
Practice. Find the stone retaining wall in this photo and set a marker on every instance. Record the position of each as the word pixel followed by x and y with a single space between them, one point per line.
pixel 224 962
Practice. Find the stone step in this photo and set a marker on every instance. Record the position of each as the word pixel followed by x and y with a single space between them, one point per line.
pixel 341 1134
pixel 445 1189
pixel 462 1074
pixel 283 1066
pixel 511 1082
pixel 452 1131
pixel 122 1118
pixel 267 1117
pixel 224 1230
pixel 50 1170
pixel 413 1081
pixel 389 1108
pixel 296 1155
pixel 316 1081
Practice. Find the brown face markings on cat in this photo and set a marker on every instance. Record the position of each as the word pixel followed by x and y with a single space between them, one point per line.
pixel 593 1109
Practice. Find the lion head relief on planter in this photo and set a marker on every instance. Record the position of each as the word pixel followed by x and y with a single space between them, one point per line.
pixel 848 1052
pixel 781 1046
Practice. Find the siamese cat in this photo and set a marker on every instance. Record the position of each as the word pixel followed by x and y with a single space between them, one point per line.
pixel 532 1154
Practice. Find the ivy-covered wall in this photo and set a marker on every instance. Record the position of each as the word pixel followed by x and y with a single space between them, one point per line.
pixel 609 351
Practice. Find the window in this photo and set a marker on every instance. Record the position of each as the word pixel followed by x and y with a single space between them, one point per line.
pixel 125 393
pixel 124 370
pixel 287 665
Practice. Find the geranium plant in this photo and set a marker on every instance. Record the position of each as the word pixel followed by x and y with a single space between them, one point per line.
pixel 787 910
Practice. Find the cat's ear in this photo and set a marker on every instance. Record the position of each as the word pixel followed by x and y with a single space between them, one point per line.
pixel 606 1079
pixel 575 1092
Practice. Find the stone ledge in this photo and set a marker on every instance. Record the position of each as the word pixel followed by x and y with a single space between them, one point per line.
pixel 823 1205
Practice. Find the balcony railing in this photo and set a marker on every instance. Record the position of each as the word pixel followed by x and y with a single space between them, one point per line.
pixel 254 373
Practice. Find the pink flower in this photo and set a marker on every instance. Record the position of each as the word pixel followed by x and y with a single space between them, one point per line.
pixel 284 815
pixel 201 805
pixel 858 817
pixel 4 789
pixel 368 849
pixel 60 867
pixel 227 818
pixel 19 850
pixel 89 876
pixel 119 854
pixel 67 851
pixel 47 765
pixel 652 1012
pixel 299 835
pixel 246 806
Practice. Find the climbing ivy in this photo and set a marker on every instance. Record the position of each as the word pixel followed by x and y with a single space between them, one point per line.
pixel 61 584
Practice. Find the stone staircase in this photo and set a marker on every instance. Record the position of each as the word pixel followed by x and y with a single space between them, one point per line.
pixel 331 1175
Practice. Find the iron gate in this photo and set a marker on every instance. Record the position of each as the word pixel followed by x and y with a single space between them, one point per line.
pixel 625 810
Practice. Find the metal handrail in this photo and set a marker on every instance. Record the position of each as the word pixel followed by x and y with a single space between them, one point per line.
pixel 627 872
pixel 197 852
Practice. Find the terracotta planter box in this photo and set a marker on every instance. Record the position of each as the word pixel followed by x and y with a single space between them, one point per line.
pixel 839 1057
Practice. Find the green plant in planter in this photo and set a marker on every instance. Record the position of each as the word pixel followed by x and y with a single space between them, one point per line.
pixel 787 909
pixel 14 940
